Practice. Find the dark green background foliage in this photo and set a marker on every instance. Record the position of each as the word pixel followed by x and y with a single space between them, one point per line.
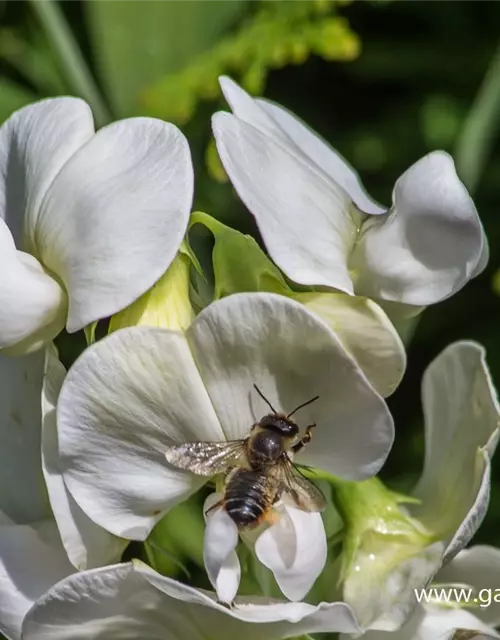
pixel 384 82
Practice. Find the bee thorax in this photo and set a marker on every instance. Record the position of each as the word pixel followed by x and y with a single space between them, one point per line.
pixel 265 447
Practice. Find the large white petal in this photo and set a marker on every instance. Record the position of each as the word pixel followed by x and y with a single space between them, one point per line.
pixel 113 220
pixel 126 602
pixel 86 544
pixel 292 356
pixel 294 548
pixel 32 559
pixel 461 422
pixel 219 555
pixel 323 155
pixel 23 496
pixel 304 218
pixel 478 567
pixel 35 143
pixel 434 623
pixel 32 304
pixel 285 127
pixel 124 400
pixel 366 333
pixel 430 243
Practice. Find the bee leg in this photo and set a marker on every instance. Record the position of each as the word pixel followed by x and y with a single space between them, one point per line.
pixel 229 605
pixel 306 439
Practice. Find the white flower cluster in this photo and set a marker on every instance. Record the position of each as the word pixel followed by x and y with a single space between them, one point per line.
pixel 95 225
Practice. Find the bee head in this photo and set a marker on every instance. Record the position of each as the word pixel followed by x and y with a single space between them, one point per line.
pixel 279 423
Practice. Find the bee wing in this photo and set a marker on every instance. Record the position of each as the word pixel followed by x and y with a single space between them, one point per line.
pixel 300 492
pixel 205 458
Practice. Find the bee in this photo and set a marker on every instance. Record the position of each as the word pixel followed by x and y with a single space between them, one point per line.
pixel 258 470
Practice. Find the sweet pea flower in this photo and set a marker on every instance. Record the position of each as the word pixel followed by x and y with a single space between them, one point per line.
pixel 364 329
pixel 320 226
pixel 473 570
pixel 393 550
pixel 44 535
pixel 32 559
pixel 88 221
pixel 142 389
pixel 130 601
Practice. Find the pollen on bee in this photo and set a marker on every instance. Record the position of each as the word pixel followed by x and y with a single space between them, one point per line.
pixel 271 517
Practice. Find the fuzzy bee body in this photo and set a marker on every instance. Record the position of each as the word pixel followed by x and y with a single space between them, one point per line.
pixel 258 469
pixel 247 497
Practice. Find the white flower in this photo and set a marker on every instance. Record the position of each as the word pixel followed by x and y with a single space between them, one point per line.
pixel 475 569
pixel 32 560
pixel 130 601
pixel 239 264
pixel 32 557
pixel 142 389
pixel 397 551
pixel 88 221
pixel 320 226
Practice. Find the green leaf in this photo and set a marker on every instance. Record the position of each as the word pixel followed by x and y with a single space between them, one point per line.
pixel 137 43
pixel 12 97
pixel 480 129
pixel 70 57
pixel 33 60
pixel 239 263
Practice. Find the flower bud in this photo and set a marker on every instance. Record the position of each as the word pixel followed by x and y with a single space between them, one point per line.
pixel 165 305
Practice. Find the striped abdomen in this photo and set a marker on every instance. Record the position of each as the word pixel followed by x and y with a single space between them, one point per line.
pixel 248 496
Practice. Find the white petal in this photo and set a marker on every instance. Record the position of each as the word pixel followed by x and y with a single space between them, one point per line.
pixel 366 333
pixel 478 567
pixel 124 400
pixel 219 555
pixel 35 143
pixel 483 260
pixel 439 623
pixel 476 512
pixel 132 601
pixel 23 496
pixel 461 421
pixel 113 220
pixel 32 304
pixel 303 216
pixel 292 356
pixel 323 155
pixel 286 128
pixel 433 623
pixel 31 561
pixel 295 550
pixel 86 544
pixel 430 243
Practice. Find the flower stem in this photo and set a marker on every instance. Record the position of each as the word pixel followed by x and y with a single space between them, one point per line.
pixel 478 133
pixel 70 57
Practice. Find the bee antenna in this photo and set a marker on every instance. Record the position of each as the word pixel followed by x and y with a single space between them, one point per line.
pixel 304 404
pixel 264 398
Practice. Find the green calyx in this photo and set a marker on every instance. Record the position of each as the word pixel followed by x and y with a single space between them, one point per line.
pixel 373 517
pixel 239 263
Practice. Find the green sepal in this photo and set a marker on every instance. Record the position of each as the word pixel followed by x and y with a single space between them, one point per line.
pixel 239 263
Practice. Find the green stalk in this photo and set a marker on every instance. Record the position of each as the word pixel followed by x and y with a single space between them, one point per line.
pixel 478 132
pixel 70 57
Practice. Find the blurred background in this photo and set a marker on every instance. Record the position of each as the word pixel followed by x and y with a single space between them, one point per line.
pixel 383 82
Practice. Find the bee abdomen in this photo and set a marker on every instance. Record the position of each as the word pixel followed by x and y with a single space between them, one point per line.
pixel 247 498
